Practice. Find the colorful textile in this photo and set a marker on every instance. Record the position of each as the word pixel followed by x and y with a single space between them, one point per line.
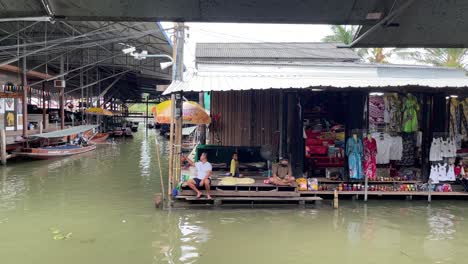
pixel 376 111
pixel 393 108
pixel 370 152
pixel 410 114
pixel 409 148
pixel 354 153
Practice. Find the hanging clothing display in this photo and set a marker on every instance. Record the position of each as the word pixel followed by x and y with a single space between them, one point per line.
pixel 464 116
pixel 435 153
pixel 393 107
pixel 454 121
pixel 410 114
pixel 376 111
pixel 370 152
pixel 451 173
pixel 442 172
pixel 434 176
pixel 396 148
pixel 409 147
pixel 383 143
pixel 389 148
pixel 354 153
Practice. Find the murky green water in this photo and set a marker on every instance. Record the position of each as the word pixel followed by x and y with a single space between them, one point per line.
pixel 104 199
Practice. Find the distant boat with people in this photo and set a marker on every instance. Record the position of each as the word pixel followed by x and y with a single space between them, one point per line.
pixel 47 151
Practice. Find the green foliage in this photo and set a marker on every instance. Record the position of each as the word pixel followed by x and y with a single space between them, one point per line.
pixel 345 35
pixel 140 108
pixel 445 57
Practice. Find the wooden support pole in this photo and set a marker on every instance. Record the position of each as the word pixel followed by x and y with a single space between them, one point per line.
pixel 62 95
pixel 201 100
pixel 171 152
pixel 24 98
pixel 44 110
pixel 3 153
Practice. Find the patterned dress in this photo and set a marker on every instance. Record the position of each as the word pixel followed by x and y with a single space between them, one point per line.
pixel 354 153
pixel 370 152
pixel 410 114
pixel 393 108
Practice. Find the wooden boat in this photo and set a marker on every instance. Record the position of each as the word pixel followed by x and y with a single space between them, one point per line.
pixel 52 152
pixel 135 127
pixel 128 132
pixel 118 132
pixel 100 138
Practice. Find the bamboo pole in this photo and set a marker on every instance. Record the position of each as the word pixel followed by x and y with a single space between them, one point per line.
pixel 3 153
pixel 171 152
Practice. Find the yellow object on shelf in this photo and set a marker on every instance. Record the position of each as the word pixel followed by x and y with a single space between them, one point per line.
pixel 236 181
pixel 301 184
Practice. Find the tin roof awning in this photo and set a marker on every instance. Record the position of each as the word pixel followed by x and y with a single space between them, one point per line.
pixel 338 75
pixel 65 132
pixel 186 131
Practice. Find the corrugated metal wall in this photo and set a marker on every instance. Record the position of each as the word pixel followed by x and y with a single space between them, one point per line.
pixel 248 118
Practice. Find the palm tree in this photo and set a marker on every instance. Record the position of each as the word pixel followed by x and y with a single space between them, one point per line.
pixel 445 57
pixel 345 35
pixel 379 55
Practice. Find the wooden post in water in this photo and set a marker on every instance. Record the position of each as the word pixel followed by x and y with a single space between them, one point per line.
pixel 366 184
pixel 335 199
pixel 3 153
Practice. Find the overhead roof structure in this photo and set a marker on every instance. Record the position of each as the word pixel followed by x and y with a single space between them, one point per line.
pixel 280 51
pixel 396 23
pixel 276 70
pixel 345 75
pixel 92 55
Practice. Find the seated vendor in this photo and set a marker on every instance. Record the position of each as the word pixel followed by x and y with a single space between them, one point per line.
pixel 282 173
pixel 204 169
pixel 462 177
pixel 234 170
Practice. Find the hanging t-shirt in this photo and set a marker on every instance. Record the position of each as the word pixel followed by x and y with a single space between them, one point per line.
pixel 396 148
pixel 384 144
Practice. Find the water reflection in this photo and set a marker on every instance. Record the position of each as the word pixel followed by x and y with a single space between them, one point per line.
pixel 12 189
pixel 192 235
pixel 441 226
pixel 145 157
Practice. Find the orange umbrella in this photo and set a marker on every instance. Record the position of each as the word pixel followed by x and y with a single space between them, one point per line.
pixel 193 113
pixel 98 111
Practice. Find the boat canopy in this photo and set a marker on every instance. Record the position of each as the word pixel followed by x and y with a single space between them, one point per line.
pixel 65 132
pixel 186 131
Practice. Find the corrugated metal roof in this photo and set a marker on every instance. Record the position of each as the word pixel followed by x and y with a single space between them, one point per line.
pixel 337 75
pixel 267 51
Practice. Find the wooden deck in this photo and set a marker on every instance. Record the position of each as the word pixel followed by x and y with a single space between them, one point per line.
pixel 260 192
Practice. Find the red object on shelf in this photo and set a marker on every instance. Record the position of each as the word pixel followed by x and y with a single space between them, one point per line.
pixel 319 150
pixel 314 142
pixel 311 134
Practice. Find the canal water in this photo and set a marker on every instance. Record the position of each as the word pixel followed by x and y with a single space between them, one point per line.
pixel 97 208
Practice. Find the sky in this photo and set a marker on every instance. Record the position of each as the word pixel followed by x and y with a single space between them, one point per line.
pixel 248 32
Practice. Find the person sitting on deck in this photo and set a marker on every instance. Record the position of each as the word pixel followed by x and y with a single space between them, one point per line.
pixel 204 169
pixel 462 177
pixel 234 170
pixel 282 173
